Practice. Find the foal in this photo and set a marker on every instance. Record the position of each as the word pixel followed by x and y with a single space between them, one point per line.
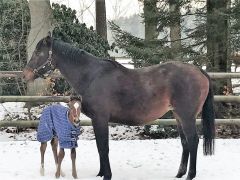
pixel 60 124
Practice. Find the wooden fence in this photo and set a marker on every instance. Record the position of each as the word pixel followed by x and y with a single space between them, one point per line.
pixel 34 123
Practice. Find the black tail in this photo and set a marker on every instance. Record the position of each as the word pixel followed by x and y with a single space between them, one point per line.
pixel 208 121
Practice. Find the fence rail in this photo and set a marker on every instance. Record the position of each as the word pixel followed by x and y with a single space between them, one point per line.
pixel 163 122
pixel 213 75
pixel 67 98
pixel 34 99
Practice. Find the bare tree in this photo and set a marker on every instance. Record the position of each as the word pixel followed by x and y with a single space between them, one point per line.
pixel 119 9
pixel 41 24
pixel 85 7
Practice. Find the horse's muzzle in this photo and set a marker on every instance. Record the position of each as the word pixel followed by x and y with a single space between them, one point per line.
pixel 27 74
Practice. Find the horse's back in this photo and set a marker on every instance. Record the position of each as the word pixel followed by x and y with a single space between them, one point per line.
pixel 141 95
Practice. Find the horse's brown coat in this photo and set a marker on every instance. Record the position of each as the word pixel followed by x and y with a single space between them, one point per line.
pixel 112 93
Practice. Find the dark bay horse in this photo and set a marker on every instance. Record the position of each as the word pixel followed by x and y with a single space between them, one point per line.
pixel 113 93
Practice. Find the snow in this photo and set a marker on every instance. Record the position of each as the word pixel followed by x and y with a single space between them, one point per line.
pixel 130 160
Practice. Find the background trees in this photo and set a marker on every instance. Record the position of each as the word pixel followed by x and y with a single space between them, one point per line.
pixel 183 29
pixel 14 28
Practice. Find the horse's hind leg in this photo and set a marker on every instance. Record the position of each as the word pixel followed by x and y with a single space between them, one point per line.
pixel 192 140
pixel 188 124
pixel 185 153
pixel 42 151
pixel 54 143
pixel 73 157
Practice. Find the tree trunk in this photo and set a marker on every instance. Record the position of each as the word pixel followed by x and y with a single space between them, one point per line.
pixel 150 11
pixel 217 46
pixel 175 28
pixel 41 24
pixel 217 37
pixel 101 23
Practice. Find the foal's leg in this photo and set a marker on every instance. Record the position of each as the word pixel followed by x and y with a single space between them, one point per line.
pixel 54 143
pixel 100 126
pixel 185 153
pixel 42 151
pixel 73 157
pixel 61 155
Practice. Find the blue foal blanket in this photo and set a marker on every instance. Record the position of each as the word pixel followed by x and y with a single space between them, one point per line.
pixel 54 122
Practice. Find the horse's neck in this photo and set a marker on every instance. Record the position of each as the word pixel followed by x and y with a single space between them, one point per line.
pixel 79 71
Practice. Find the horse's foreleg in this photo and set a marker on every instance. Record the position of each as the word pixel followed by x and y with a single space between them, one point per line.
pixel 73 157
pixel 42 151
pixel 185 153
pixel 101 133
pixel 61 155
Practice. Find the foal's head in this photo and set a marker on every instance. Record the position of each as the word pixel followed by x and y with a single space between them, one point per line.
pixel 75 109
pixel 41 62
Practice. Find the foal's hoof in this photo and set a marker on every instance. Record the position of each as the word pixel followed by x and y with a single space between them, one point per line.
pixel 62 173
pixel 57 175
pixel 75 176
pixel 41 171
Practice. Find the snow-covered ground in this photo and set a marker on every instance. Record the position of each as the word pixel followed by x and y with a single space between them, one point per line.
pixel 130 160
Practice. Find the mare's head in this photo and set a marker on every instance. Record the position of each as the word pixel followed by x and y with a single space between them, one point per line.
pixel 75 105
pixel 41 62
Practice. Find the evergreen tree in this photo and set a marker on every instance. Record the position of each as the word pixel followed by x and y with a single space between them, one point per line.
pixel 14 28
pixel 191 15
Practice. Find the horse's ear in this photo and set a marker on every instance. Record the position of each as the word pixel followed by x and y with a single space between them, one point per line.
pixel 48 38
pixel 49 34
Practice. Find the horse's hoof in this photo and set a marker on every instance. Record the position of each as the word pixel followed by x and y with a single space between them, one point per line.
pixel 191 176
pixel 41 171
pixel 106 178
pixel 179 175
pixel 100 174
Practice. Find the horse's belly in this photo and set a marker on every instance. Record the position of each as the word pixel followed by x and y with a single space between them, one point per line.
pixel 141 117
pixel 155 114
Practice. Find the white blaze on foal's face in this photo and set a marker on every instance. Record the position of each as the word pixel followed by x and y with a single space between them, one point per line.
pixel 75 109
pixel 76 105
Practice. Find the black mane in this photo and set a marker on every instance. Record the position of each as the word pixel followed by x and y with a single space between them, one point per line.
pixel 73 53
